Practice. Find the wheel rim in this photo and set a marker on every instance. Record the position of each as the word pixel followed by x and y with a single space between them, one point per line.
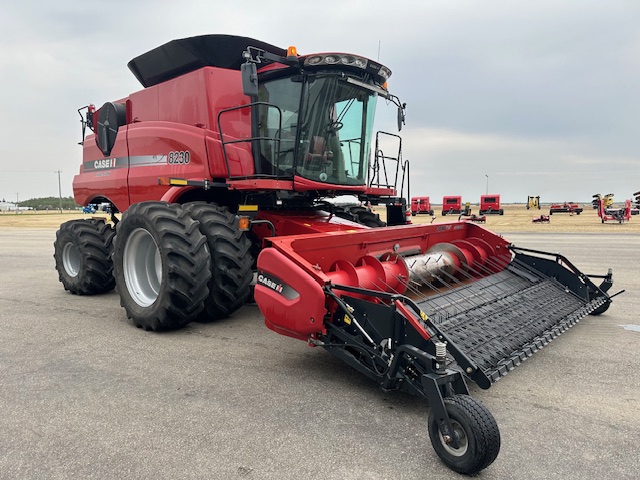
pixel 463 441
pixel 71 259
pixel 142 267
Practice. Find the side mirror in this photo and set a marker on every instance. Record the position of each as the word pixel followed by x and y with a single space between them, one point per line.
pixel 249 79
pixel 401 117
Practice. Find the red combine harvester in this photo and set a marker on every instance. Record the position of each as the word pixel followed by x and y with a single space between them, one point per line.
pixel 566 207
pixel 490 205
pixel 220 167
pixel 421 205
pixel 452 205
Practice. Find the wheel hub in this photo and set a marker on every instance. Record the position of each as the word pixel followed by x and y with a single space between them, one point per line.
pixel 71 259
pixel 463 441
pixel 142 267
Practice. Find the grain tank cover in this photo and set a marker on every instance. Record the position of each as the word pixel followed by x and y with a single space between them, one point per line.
pixel 184 55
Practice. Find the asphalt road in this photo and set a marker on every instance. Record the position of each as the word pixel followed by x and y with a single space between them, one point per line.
pixel 87 395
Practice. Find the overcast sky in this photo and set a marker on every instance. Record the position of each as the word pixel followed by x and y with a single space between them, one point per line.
pixel 542 97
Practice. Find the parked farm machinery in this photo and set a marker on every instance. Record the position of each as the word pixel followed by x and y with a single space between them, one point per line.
pixel 452 205
pixel 219 168
pixel 606 199
pixel 541 219
pixel 533 202
pixel 421 205
pixel 474 218
pixel 490 205
pixel 566 207
pixel 619 215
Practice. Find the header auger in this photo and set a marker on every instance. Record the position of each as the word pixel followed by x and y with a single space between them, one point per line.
pixel 215 174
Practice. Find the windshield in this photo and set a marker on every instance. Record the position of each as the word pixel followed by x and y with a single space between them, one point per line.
pixel 319 129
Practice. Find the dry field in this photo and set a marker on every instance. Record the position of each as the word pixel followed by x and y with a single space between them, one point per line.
pixel 516 218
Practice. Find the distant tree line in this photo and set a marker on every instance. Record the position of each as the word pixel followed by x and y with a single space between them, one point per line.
pixel 50 203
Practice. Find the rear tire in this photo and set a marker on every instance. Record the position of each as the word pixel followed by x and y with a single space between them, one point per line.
pixel 161 266
pixel 370 219
pixel 477 431
pixel 231 260
pixel 82 251
pixel 360 215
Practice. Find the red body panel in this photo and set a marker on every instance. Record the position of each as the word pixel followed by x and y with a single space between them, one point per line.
pixel 102 177
pixel 298 314
pixel 296 223
pixel 180 115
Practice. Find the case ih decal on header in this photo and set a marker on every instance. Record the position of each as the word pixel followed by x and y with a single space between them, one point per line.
pixel 230 162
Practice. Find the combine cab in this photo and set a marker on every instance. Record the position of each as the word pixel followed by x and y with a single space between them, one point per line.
pixel 221 166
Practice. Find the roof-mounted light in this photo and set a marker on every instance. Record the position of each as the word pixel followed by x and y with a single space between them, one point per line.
pixel 348 60
pixel 336 58
pixel 384 72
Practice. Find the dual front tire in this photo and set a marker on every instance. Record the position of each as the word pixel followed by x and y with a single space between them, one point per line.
pixel 175 264
pixel 161 266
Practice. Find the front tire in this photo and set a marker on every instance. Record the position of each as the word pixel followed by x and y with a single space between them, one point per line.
pixel 161 266
pixel 477 432
pixel 82 251
pixel 231 260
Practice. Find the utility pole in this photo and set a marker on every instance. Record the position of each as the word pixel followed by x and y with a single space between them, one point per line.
pixel 59 188
pixel 487 184
pixel 17 202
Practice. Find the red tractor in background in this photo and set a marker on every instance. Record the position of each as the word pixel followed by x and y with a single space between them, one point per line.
pixel 490 205
pixel 220 168
pixel 421 205
pixel 452 205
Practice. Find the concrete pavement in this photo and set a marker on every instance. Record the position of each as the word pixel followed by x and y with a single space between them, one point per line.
pixel 87 395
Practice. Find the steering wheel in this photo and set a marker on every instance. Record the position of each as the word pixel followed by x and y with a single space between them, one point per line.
pixel 334 126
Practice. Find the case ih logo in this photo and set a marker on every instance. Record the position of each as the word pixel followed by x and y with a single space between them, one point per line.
pixel 269 283
pixel 105 163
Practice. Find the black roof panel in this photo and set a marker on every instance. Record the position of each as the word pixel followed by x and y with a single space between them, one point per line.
pixel 188 54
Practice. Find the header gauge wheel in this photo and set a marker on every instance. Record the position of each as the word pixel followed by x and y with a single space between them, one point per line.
pixel 476 431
